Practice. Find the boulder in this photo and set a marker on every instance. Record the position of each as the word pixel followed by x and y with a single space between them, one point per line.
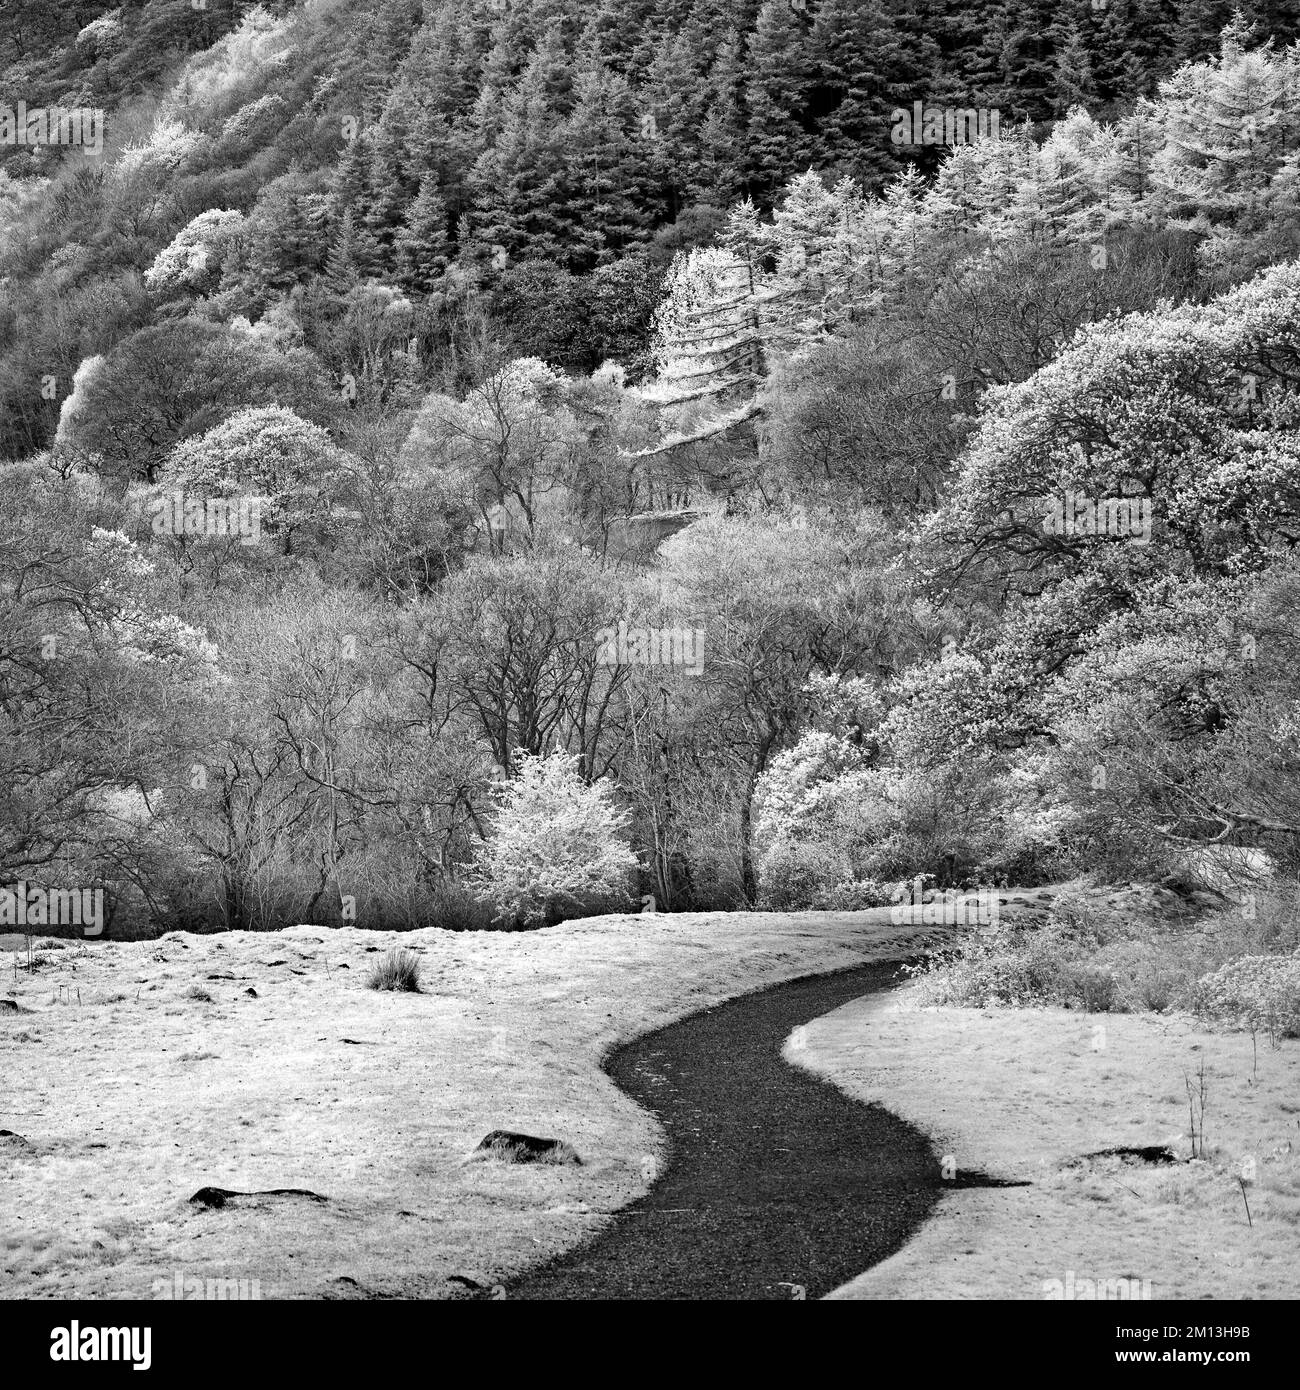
pixel 512 1147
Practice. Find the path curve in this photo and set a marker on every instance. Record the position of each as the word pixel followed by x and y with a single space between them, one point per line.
pixel 777 1184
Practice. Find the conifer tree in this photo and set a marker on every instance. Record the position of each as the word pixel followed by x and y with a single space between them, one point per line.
pixel 283 237
pixel 1027 57
pixel 865 65
pixel 1198 26
pixel 804 240
pixel 1228 124
pixel 709 335
pixel 722 136
pixel 352 175
pixel 953 204
pixel 390 188
pixel 514 181
pixel 673 97
pixel 1138 139
pixel 775 94
pixel 352 254
pixel 422 243
pixel 606 170
pixel 1072 78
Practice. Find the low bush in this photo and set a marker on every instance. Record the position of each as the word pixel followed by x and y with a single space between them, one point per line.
pixel 853 895
pixel 1258 994
pixel 1100 956
pixel 455 908
pixel 794 874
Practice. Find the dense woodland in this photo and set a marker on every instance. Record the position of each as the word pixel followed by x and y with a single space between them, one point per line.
pixel 540 159
pixel 525 320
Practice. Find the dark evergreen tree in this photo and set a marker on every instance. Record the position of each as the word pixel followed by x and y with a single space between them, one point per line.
pixel 1199 22
pixel 391 185
pixel 673 98
pixel 607 173
pixel 722 136
pixel 516 181
pixel 1072 78
pixel 352 254
pixel 778 141
pixel 862 67
pixel 422 243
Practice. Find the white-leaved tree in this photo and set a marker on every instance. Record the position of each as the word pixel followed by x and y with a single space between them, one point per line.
pixel 194 256
pixel 271 453
pixel 556 848
pixel 709 331
pixel 94 674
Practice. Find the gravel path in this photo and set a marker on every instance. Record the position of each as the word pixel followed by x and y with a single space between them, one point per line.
pixel 777 1186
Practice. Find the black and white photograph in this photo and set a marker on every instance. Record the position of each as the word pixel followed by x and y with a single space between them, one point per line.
pixel 649 652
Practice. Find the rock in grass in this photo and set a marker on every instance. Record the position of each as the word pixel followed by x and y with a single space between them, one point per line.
pixel 512 1147
pixel 1141 1153
pixel 217 1197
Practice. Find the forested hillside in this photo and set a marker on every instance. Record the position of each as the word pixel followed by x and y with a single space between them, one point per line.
pixel 538 159
pixel 439 427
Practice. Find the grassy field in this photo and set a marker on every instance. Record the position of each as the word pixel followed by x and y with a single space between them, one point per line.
pixel 1024 1093
pixel 137 1073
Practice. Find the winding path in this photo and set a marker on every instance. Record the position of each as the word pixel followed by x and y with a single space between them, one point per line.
pixel 777 1186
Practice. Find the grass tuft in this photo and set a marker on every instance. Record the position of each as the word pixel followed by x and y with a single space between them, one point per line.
pixel 399 970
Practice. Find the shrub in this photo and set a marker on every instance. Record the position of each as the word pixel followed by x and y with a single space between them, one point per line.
pixel 966 822
pixel 556 848
pixel 1260 994
pixel 821 819
pixel 1095 988
pixel 853 895
pixel 1120 956
pixel 398 970
pixel 1001 967
pixel 1151 975
pixel 1078 917
pixel 793 874
pixel 1020 967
